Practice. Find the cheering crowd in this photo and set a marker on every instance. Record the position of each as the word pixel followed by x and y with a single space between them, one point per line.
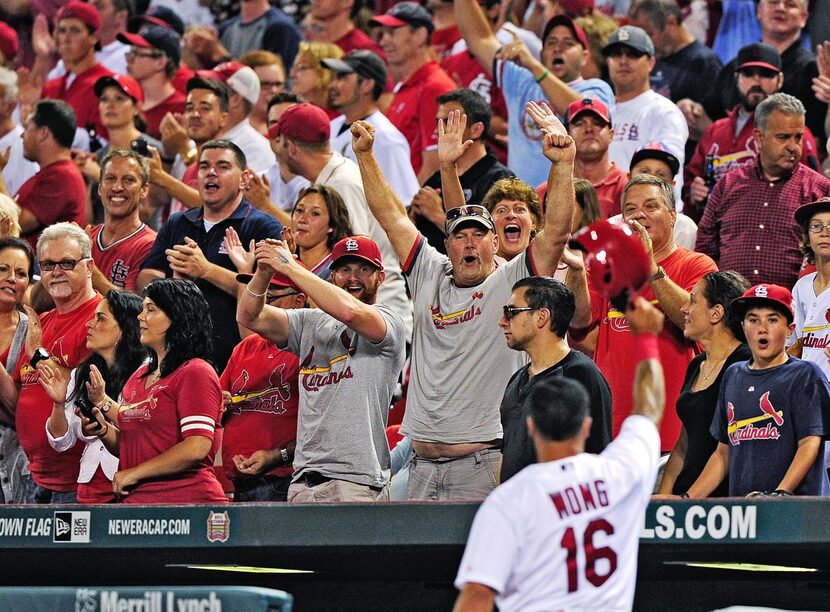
pixel 248 248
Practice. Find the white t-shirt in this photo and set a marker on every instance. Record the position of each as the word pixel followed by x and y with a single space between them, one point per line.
pixel 285 194
pixel 19 169
pixel 391 150
pixel 343 175
pixel 253 144
pixel 644 119
pixel 564 534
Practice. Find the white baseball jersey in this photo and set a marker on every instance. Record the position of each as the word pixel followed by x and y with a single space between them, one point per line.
pixel 564 534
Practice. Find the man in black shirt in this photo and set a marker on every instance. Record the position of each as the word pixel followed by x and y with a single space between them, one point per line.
pixel 536 321
pixel 478 169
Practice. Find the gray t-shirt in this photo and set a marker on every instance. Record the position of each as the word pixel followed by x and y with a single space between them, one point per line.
pixel 460 360
pixel 346 385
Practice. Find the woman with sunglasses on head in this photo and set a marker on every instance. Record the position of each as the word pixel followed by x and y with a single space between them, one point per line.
pixel 170 407
pixel 16 270
pixel 113 339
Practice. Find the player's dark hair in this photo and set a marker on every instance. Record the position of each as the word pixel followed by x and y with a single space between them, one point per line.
pixel 549 293
pixel 339 222
pixel 219 89
pixel 190 335
pixel 475 107
pixel 285 97
pixel 558 408
pixel 720 288
pixel 238 154
pixel 57 117
pixel 129 352
pixel 12 242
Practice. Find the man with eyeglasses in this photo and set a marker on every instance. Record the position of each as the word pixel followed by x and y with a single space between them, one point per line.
pixel 781 23
pixel 351 352
pixel 536 321
pixel 641 115
pixel 556 79
pixel 460 363
pixel 259 386
pixel 153 60
pixel 59 336
pixel 730 143
pixel 748 223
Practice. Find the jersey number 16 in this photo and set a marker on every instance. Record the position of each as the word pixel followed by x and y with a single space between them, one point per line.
pixel 592 554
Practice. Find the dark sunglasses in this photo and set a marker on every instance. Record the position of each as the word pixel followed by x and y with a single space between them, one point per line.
pixel 63 264
pixel 511 311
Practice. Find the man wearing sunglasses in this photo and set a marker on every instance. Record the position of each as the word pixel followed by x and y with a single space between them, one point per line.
pixel 730 142
pixel 460 363
pixel 64 251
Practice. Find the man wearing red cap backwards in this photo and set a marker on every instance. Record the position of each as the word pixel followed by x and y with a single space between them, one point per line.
pixel 351 352
pixel 772 411
pixel 76 33
pixel 460 362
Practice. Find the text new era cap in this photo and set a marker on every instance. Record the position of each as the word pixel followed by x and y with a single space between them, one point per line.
pixel 361 247
pixel 405 13
pixel 773 296
pixel 758 55
pixel 630 36
pixel 362 62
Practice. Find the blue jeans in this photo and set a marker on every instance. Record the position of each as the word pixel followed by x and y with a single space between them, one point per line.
pixel 35 494
pixel 270 489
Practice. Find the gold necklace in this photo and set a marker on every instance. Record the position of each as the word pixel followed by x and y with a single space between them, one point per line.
pixel 716 364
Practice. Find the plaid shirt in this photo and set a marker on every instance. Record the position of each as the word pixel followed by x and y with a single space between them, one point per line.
pixel 748 225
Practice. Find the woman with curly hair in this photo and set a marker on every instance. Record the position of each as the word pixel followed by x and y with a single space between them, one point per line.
pixel 170 407
pixel 310 79
pixel 116 353
pixel 319 220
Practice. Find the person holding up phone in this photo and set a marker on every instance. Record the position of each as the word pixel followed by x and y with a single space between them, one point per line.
pixel 116 352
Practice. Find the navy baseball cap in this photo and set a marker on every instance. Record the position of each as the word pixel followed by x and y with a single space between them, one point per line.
pixel 656 150
pixel 160 16
pixel 405 13
pixel 758 55
pixel 156 37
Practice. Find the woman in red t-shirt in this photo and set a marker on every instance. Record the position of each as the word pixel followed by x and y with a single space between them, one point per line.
pixel 115 354
pixel 170 407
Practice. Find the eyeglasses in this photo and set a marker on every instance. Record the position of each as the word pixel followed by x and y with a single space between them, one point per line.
pixel 817 228
pixel 63 264
pixel 511 311
pixel 271 297
pixel 132 53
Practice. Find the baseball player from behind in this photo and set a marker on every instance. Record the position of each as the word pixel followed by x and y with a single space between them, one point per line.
pixel 564 533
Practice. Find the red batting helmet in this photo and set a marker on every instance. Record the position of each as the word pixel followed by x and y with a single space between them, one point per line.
pixel 617 262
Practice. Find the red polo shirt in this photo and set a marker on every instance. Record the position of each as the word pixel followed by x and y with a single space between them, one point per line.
pixel 414 107
pixel 174 103
pixel 80 95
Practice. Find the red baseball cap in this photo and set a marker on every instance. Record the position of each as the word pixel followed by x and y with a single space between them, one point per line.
pixel 588 105
pixel 279 279
pixel 87 13
pixel 125 83
pixel 773 296
pixel 575 7
pixel 305 123
pixel 564 20
pixel 361 247
pixel 9 43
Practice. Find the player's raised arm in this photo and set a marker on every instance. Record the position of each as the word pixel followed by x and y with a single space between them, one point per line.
pixel 381 198
pixel 646 323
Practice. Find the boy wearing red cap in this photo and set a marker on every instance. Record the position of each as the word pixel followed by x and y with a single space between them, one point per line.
pixel 76 34
pixel 771 411
pixel 351 352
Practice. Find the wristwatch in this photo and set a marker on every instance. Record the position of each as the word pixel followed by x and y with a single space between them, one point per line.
pixel 284 456
pixel 661 273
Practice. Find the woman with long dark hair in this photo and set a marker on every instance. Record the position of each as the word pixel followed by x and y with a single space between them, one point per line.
pixel 16 270
pixel 170 407
pixel 116 353
pixel 319 220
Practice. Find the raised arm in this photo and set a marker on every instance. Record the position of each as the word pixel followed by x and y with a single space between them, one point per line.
pixel 382 200
pixel 649 386
pixel 546 249
pixel 476 31
pixel 451 147
pixel 363 318
pixel 251 309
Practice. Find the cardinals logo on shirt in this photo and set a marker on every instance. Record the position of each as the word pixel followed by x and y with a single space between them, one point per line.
pixel 314 378
pixel 746 429
pixel 271 399
pixel 442 321
pixel 141 410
